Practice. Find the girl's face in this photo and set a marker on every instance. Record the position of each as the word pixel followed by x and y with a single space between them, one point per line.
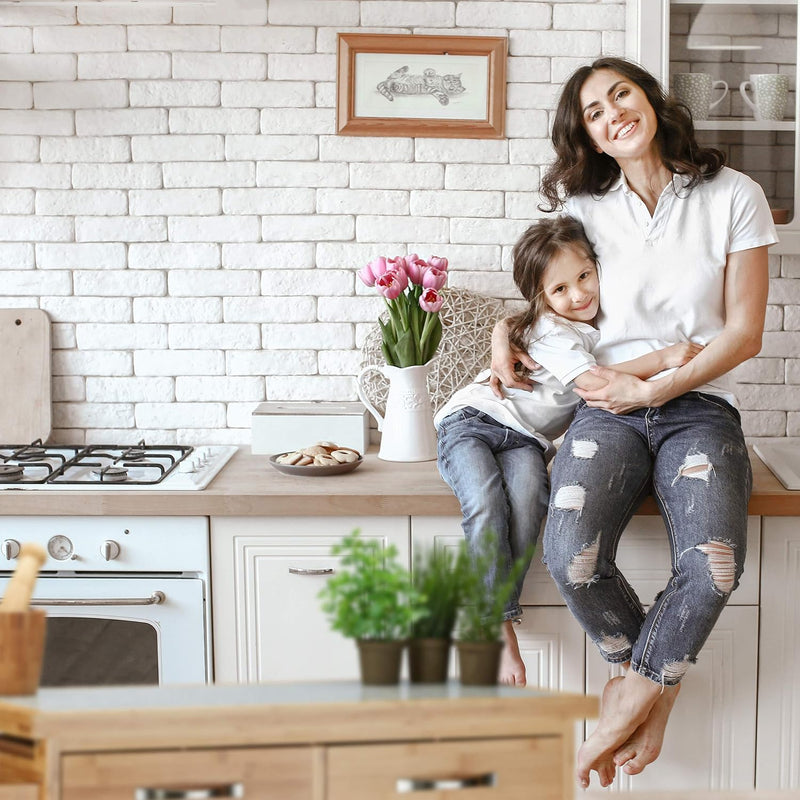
pixel 617 116
pixel 571 286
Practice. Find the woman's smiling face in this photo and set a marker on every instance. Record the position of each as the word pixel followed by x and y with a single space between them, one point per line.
pixel 617 116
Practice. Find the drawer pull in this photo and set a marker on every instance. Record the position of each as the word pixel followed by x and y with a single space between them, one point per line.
pixel 301 571
pixel 153 600
pixel 406 785
pixel 200 793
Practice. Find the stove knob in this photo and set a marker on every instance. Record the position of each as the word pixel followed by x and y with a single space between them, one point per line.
pixel 109 550
pixel 10 549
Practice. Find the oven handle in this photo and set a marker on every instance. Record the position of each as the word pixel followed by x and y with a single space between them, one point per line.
pixel 303 571
pixel 155 599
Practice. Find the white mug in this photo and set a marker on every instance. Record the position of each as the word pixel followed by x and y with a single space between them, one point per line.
pixel 694 89
pixel 770 92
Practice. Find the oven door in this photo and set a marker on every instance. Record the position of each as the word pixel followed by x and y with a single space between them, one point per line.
pixel 122 630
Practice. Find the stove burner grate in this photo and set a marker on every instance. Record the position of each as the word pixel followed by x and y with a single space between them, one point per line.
pixel 11 472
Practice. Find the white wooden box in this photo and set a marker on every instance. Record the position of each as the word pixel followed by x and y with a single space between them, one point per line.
pixel 279 427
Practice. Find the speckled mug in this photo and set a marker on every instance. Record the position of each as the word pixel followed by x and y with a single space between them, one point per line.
pixel 770 91
pixel 694 89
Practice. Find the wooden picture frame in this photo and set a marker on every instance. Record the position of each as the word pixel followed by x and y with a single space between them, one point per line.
pixel 434 86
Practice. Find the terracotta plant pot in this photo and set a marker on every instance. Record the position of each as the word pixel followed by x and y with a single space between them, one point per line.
pixel 479 662
pixel 22 636
pixel 380 661
pixel 428 660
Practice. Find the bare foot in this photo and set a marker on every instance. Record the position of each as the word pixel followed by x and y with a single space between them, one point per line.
pixel 644 746
pixel 512 668
pixel 625 706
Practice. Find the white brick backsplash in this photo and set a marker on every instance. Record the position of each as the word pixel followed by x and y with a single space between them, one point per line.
pixel 169 202
pixel 62 335
pixel 37 15
pixel 306 67
pixel 300 228
pixel 506 15
pixel 334 255
pixel 268 94
pixel 265 148
pixel 322 283
pixel 79 39
pixel 396 176
pixel 209 173
pixel 317 336
pixel 229 336
pixel 579 17
pixel 115 283
pixel 760 370
pixel 377 229
pixel 784 291
pixel 80 256
pixel 362 201
pixel 490 231
pixel 791 318
pixel 120 229
pixel 15 228
pixel 175 309
pixel 457 204
pixel 476 176
pixel 214 229
pixel 81 415
pixel 130 66
pixel 554 43
pixel 178 148
pixel 111 176
pixel 269 309
pixel 35 176
pixel 301 173
pixel 16 95
pixel 185 415
pixel 351 148
pixel 218 120
pixel 408 12
pixel 768 398
pixel 16 256
pixel 764 423
pixel 265 362
pixel 128 14
pixel 179 362
pixel 790 266
pixel 170 255
pixel 70 149
pixel 240 415
pixel 72 202
pixel 39 67
pixel 521 124
pixel 39 123
pixel 16 201
pixel 91 362
pixel 793 424
pixel 793 370
pixel 220 66
pixel 85 309
pixel 174 93
pixel 498 284
pixel 530 151
pixel 19 148
pixel 252 13
pixel 774 318
pixel 532 95
pixel 470 151
pixel 522 205
pixel 461 257
pixel 528 69
pixel 298 120
pixel 339 362
pixel 272 39
pixel 66 389
pixel 311 388
pixel 212 283
pixel 123 336
pixel 278 255
pixel 268 201
pixel 130 390
pixel 225 389
pixel 120 121
pixel 350 309
pixel 310 12
pixel 174 38
pixel 90 94
pixel 16 40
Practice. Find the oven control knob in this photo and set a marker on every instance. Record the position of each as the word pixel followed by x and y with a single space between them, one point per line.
pixel 109 550
pixel 10 549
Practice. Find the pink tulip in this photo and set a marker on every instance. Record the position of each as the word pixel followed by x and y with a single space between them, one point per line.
pixel 416 269
pixel 373 270
pixel 438 261
pixel 434 278
pixel 430 300
pixel 390 284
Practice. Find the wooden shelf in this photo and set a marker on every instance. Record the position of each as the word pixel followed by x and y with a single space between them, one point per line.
pixel 744 125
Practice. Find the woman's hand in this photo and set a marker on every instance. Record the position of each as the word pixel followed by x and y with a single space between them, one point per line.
pixel 677 355
pixel 504 359
pixel 623 393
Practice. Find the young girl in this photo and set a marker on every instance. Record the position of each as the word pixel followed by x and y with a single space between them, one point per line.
pixel 493 452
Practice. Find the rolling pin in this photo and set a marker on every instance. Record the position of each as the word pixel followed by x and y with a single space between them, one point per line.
pixel 20 587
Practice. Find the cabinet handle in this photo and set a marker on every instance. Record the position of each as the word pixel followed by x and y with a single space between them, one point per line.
pixel 406 785
pixel 155 599
pixel 226 790
pixel 301 571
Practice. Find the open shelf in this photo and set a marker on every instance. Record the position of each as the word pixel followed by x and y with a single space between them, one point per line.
pixel 744 125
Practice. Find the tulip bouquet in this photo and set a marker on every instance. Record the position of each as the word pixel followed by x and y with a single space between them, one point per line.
pixel 410 288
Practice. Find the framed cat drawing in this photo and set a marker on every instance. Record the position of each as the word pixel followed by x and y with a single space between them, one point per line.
pixel 435 86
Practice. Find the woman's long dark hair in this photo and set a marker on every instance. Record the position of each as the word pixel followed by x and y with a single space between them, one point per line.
pixel 540 243
pixel 580 169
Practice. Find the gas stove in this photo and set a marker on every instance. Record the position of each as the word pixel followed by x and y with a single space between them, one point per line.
pixel 178 468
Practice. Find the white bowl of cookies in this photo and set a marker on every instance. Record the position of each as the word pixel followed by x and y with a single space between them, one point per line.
pixel 317 460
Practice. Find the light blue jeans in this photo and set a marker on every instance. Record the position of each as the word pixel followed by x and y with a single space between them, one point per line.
pixel 500 479
pixel 691 454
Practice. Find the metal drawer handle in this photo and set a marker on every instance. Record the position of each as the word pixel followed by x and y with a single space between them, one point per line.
pixel 227 790
pixel 155 599
pixel 405 785
pixel 301 571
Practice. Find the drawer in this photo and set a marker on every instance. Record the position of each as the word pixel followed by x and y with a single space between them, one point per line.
pixel 19 791
pixel 251 773
pixel 496 769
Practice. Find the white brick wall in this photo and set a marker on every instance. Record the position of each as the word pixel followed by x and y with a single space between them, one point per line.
pixel 174 195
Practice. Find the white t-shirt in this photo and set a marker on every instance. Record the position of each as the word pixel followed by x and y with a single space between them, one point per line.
pixel 563 349
pixel 662 278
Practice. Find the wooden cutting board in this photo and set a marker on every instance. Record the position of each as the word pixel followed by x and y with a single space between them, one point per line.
pixel 24 375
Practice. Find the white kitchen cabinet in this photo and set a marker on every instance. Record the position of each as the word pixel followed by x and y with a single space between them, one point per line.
pixel 778 762
pixel 266 576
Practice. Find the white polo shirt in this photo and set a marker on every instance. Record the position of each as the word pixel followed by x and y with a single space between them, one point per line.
pixel 662 278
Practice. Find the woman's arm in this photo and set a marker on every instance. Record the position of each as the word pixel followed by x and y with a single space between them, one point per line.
pixel 746 288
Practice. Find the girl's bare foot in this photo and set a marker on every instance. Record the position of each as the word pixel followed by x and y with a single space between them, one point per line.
pixel 625 706
pixel 512 668
pixel 644 746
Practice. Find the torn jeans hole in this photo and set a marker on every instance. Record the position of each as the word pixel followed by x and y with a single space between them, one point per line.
pixel 582 570
pixel 695 465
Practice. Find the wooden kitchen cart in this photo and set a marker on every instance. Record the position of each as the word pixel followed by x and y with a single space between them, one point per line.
pixel 313 741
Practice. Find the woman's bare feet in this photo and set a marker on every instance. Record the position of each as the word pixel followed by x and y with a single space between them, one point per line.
pixel 644 746
pixel 512 668
pixel 626 704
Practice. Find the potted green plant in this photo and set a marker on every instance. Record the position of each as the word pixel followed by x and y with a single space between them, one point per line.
pixel 373 601
pixel 437 575
pixel 480 616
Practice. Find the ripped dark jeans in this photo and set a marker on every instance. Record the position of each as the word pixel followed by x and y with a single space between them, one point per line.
pixel 691 455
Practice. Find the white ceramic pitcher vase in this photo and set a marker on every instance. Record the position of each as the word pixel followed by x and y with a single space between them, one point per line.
pixel 407 432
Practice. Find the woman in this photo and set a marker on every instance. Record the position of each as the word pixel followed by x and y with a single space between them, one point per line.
pixel 682 246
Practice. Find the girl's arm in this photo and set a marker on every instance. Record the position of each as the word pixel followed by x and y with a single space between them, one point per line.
pixel 504 357
pixel 746 288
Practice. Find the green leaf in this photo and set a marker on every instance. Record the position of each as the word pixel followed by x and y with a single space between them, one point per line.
pixel 406 349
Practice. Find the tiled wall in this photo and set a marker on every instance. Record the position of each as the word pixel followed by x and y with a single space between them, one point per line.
pixel 173 194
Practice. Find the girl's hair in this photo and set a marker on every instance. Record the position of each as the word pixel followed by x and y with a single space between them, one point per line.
pixel 579 169
pixel 535 249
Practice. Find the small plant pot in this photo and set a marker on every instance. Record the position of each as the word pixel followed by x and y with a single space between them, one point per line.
pixel 22 635
pixel 428 660
pixel 479 662
pixel 380 661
